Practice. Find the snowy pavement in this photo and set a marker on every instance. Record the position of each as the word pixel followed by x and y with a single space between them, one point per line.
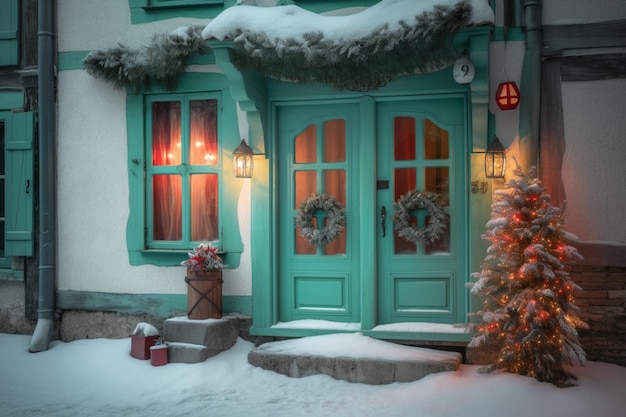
pixel 99 378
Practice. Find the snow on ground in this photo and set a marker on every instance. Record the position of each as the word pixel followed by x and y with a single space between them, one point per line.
pixel 99 378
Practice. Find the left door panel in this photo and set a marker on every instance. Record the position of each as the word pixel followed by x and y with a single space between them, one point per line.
pixel 317 148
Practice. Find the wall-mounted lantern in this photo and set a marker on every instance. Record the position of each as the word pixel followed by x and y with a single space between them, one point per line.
pixel 507 96
pixel 495 159
pixel 242 160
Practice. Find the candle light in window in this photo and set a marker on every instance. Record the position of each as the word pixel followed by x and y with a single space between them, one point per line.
pixel 209 157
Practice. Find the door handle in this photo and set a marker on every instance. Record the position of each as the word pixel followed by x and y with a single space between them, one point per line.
pixel 383 216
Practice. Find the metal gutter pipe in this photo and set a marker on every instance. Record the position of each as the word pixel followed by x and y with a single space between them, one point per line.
pixel 47 178
pixel 530 105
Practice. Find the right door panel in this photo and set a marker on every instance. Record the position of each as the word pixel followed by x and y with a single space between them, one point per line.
pixel 420 146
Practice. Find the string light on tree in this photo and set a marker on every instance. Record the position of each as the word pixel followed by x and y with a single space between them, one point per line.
pixel 528 310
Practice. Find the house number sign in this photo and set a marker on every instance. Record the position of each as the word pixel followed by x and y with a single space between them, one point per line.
pixel 463 71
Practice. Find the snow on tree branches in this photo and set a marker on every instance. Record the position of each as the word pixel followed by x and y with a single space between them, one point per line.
pixel 528 311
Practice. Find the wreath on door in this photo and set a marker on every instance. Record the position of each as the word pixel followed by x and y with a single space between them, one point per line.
pixel 414 200
pixel 335 215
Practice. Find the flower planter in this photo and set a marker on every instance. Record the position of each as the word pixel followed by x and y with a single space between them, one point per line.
pixel 204 295
pixel 158 355
pixel 140 345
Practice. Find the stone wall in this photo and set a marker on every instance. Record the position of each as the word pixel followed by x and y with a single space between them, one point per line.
pixel 602 304
pixel 12 316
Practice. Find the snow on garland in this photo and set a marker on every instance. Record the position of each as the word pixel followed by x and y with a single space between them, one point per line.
pixel 336 219
pixel 419 200
pixel 162 62
pixel 360 64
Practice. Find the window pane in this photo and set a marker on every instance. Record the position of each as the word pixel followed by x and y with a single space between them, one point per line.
pixel 166 207
pixel 335 141
pixel 436 144
pixel 335 185
pixel 403 138
pixel 166 146
pixel 441 246
pixel 437 180
pixel 303 246
pixel 404 181
pixel 305 148
pixel 204 207
pixel 305 185
pixel 203 132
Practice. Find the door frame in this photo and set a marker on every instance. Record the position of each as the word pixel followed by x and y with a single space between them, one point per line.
pixel 258 97
pixel 367 195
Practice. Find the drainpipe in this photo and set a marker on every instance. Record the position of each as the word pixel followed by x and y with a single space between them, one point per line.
pixel 529 126
pixel 47 177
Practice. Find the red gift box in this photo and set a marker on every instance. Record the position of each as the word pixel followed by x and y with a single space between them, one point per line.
pixel 158 354
pixel 140 345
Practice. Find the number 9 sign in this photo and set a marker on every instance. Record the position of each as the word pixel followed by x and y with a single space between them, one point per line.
pixel 463 71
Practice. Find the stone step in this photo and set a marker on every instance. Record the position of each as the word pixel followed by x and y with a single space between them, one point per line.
pixel 187 353
pixel 352 357
pixel 192 341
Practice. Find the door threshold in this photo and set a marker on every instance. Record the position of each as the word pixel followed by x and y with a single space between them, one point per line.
pixel 418 332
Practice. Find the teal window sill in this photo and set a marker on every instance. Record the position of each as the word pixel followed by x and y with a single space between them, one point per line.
pixel 175 257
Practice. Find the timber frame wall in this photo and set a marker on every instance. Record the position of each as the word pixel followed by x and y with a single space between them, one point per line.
pixel 585 52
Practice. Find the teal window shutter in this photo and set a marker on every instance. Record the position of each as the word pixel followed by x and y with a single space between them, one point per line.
pixel 9 45
pixel 19 189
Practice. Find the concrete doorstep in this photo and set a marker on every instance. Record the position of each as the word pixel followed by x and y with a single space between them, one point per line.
pixel 193 341
pixel 352 357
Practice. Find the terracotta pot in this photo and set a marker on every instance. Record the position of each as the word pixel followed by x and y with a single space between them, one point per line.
pixel 204 295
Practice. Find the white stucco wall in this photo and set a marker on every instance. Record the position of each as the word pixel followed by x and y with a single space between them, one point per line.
pixel 594 173
pixel 593 167
pixel 93 205
pixel 505 64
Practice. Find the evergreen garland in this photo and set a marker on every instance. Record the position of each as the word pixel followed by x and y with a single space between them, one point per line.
pixel 358 64
pixel 162 62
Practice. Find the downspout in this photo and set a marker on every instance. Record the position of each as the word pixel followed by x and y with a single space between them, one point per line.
pixel 47 178
pixel 530 104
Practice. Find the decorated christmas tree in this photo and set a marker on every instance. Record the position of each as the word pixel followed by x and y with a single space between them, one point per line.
pixel 528 312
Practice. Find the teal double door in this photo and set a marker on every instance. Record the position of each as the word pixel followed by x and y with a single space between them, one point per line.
pixel 366 153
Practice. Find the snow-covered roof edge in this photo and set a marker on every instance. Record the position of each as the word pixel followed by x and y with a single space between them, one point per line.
pixel 361 51
pixel 284 22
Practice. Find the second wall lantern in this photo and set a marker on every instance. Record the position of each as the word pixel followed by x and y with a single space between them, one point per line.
pixel 495 159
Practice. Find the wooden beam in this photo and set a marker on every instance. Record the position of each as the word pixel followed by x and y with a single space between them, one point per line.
pixel 557 38
pixel 593 67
